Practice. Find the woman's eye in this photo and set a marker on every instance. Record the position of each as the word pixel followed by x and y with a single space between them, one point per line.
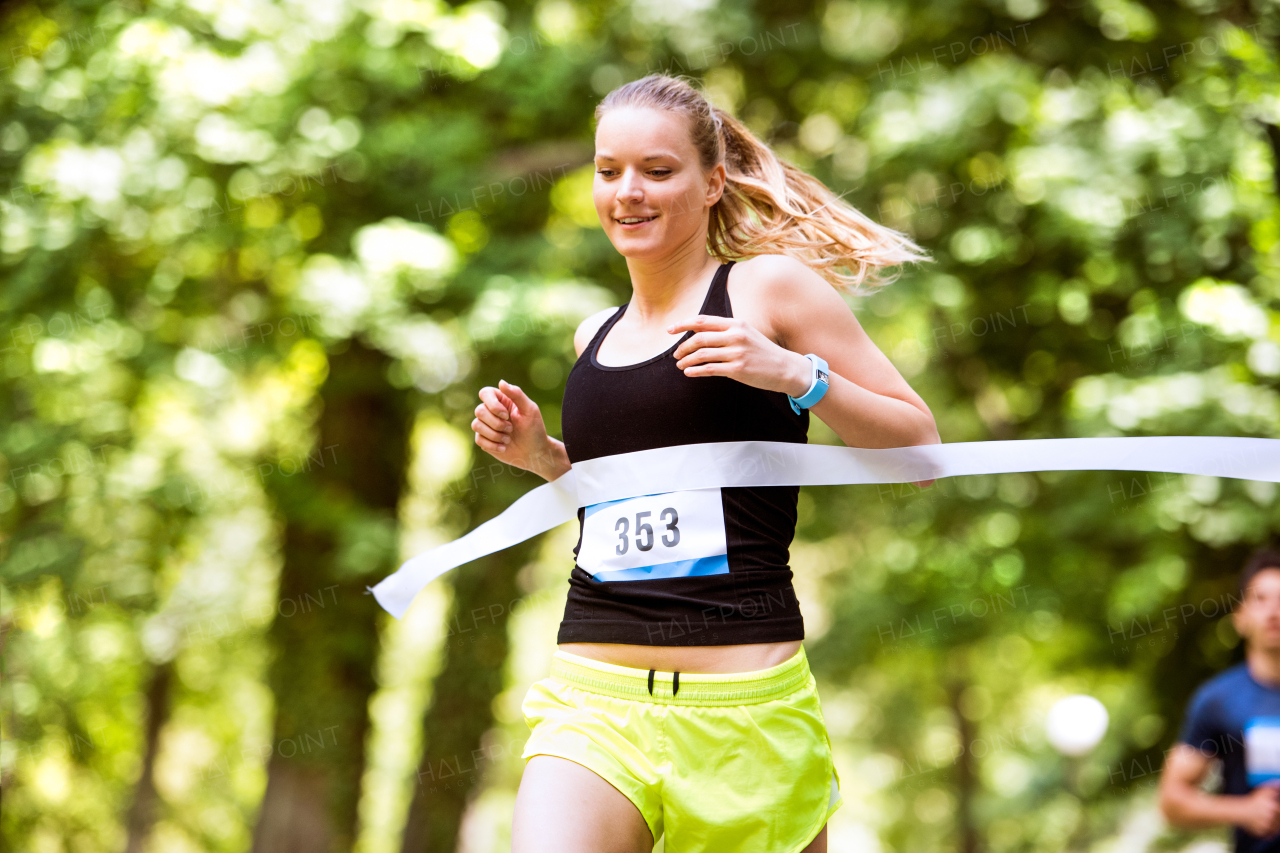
pixel 657 173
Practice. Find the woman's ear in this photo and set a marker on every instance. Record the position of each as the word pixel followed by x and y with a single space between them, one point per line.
pixel 715 184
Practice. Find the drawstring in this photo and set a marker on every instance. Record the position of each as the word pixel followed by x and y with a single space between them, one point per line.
pixel 675 683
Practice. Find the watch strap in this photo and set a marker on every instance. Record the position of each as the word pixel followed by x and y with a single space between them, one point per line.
pixel 817 387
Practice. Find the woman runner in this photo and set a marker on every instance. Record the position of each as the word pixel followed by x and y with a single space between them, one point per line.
pixel 680 699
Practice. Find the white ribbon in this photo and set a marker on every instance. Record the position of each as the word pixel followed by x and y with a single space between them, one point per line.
pixel 779 463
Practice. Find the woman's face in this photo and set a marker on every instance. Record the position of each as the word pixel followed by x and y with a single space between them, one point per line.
pixel 647 170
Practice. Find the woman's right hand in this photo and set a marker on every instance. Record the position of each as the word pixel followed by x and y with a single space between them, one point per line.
pixel 509 426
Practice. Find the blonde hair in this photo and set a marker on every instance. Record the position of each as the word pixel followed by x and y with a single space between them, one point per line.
pixel 770 206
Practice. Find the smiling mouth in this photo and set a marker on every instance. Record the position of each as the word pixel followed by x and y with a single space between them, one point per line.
pixel 634 220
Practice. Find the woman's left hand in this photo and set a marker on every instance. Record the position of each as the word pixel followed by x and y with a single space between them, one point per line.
pixel 729 346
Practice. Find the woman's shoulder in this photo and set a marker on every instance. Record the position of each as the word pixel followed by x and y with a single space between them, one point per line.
pixel 782 280
pixel 588 327
pixel 771 264
pixel 780 294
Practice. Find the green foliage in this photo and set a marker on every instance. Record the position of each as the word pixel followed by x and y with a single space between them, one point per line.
pixel 206 204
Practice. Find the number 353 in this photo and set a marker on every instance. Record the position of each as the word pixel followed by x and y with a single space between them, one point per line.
pixel 652 530
pixel 643 533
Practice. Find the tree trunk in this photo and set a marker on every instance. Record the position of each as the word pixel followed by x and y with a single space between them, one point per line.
pixel 340 521
pixel 966 773
pixel 1273 136
pixel 461 711
pixel 142 814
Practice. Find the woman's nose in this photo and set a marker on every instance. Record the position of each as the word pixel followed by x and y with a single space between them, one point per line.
pixel 630 187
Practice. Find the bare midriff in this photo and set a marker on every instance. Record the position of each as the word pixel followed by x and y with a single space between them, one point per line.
pixel 740 658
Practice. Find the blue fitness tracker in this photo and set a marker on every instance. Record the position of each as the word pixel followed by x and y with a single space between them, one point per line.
pixel 821 382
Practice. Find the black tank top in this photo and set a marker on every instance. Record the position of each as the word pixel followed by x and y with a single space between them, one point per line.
pixel 741 595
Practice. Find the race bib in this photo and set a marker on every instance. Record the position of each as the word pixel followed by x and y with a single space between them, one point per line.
pixel 667 535
pixel 1262 749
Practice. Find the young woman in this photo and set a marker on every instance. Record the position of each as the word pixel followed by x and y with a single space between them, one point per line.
pixel 680 699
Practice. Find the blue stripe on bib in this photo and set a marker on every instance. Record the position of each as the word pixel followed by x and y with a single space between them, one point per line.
pixel 718 565
pixel 591 510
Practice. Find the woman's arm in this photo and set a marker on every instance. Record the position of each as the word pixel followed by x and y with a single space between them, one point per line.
pixel 508 425
pixel 869 404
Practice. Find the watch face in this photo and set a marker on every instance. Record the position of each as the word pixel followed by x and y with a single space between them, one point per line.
pixel 822 376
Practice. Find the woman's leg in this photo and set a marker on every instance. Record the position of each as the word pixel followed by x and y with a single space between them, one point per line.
pixel 819 842
pixel 563 807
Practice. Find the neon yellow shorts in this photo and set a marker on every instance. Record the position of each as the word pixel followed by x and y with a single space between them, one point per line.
pixel 726 761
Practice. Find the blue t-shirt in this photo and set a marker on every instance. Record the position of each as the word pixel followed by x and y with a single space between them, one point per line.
pixel 1235 718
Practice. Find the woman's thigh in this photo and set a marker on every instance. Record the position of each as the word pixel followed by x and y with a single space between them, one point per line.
pixel 563 807
pixel 819 842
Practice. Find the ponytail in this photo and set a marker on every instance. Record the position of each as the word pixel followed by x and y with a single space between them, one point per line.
pixel 768 205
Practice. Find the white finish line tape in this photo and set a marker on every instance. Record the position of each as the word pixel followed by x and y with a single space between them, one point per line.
pixel 779 463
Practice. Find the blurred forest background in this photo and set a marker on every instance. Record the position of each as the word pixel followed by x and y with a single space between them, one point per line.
pixel 258 257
